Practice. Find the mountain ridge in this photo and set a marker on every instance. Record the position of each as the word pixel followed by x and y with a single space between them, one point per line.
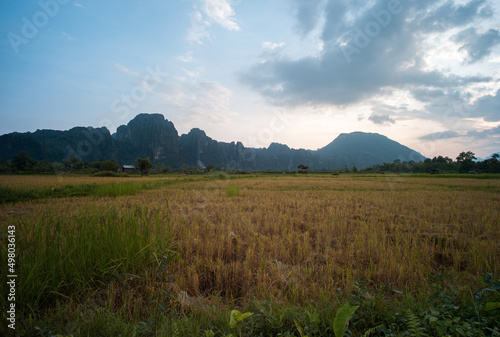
pixel 153 136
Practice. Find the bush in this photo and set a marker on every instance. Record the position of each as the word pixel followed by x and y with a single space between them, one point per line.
pixel 106 174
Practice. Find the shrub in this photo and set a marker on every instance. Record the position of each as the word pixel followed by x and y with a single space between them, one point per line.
pixel 106 174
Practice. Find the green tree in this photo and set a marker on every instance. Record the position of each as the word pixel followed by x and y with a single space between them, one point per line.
pixel 23 162
pixel 43 166
pixel 144 165
pixel 466 161
pixel 73 164
pixel 4 166
pixel 466 156
pixel 158 168
pixel 109 165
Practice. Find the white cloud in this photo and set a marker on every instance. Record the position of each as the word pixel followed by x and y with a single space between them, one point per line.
pixel 198 30
pixel 196 73
pixel 187 57
pixel 125 70
pixel 67 36
pixel 273 46
pixel 209 12
pixel 200 102
pixel 220 12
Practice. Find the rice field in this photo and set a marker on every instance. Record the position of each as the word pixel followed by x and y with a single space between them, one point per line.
pixel 293 241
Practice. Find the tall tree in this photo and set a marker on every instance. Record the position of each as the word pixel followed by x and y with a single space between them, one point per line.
pixel 73 164
pixel 466 161
pixel 144 165
pixel 23 162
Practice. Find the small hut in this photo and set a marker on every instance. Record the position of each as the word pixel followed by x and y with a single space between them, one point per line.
pixel 127 169
pixel 303 168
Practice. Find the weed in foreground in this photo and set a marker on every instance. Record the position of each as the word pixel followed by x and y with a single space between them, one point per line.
pixel 232 190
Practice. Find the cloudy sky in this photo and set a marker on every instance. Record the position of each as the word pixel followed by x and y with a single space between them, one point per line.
pixel 300 72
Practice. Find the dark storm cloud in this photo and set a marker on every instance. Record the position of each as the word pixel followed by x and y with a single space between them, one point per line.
pixel 427 95
pixel 477 45
pixel 450 108
pixel 440 135
pixel 366 52
pixel 307 15
pixel 381 119
pixel 484 133
pixel 450 15
pixel 488 107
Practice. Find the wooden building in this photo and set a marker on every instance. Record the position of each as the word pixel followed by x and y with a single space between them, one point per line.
pixel 303 168
pixel 127 169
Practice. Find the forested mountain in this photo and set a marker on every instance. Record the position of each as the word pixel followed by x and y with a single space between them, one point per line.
pixel 362 150
pixel 152 136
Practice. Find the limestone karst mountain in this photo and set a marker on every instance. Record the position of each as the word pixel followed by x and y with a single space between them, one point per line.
pixel 151 135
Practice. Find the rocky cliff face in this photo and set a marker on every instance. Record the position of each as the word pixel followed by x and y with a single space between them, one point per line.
pixel 282 157
pixel 197 149
pixel 148 135
pixel 87 144
pixel 152 136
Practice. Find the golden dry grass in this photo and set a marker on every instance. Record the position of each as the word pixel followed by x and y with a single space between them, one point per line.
pixel 300 238
pixel 297 239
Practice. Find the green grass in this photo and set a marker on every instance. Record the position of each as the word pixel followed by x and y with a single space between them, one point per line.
pixel 24 194
pixel 454 175
pixel 114 189
pixel 446 311
pixel 232 190
pixel 64 256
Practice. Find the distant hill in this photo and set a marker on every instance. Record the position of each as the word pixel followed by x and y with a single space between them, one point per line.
pixel 151 135
pixel 362 150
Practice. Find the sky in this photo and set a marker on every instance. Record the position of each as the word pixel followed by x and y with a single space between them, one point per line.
pixel 299 72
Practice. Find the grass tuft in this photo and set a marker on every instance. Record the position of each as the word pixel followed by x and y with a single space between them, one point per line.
pixel 232 190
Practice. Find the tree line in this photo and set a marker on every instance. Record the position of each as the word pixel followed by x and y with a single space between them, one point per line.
pixel 23 163
pixel 465 162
